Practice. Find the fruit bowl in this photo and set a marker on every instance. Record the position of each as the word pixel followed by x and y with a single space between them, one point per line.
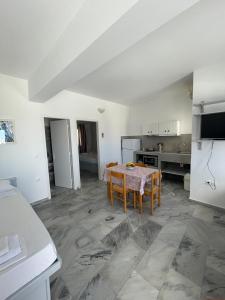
pixel 130 166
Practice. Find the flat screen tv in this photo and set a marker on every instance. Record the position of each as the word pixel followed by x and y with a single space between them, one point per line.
pixel 213 126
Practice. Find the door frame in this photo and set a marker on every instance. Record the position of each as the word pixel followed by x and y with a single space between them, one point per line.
pixel 98 143
pixel 46 154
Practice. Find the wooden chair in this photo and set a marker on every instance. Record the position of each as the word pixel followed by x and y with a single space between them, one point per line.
pixel 153 190
pixel 140 164
pixel 109 165
pixel 119 188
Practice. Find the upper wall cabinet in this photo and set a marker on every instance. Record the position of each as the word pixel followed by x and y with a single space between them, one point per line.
pixel 151 129
pixel 169 128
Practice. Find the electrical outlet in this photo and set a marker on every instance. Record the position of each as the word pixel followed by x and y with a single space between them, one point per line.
pixel 211 183
pixel 208 181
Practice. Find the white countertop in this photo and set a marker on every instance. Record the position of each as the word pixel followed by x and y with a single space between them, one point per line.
pixel 18 217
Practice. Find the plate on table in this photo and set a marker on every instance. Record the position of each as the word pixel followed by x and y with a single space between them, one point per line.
pixel 130 168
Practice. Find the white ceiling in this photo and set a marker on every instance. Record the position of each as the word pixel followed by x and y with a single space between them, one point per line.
pixel 191 40
pixel 29 29
pixel 189 34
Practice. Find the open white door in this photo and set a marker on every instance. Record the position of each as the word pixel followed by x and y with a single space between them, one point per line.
pixel 61 153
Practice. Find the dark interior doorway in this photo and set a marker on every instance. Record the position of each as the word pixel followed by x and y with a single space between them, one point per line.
pixel 88 150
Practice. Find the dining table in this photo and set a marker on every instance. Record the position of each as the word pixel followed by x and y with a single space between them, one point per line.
pixel 136 178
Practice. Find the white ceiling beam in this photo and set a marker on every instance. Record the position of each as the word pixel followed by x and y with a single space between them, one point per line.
pixel 99 32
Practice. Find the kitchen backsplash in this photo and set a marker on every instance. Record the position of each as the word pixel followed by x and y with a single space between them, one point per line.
pixel 181 143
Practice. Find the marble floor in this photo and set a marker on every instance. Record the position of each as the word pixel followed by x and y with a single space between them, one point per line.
pixel 179 253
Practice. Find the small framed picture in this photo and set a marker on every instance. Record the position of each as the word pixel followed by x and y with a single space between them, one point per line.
pixel 7 131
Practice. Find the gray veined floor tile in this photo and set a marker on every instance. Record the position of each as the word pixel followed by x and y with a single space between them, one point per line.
pixel 190 259
pixel 115 218
pixel 172 233
pixel 107 282
pixel 219 219
pixel 156 263
pixel 100 231
pixel 137 219
pixel 137 288
pixel 94 219
pixel 118 236
pixel 199 231
pixel 179 287
pixel 176 212
pixel 213 285
pixel 59 290
pixel 97 289
pixel 216 254
pixel 216 260
pixel 204 213
pixel 95 255
pixel 99 253
pixel 123 262
pixel 83 271
pixel 146 234
pixel 161 220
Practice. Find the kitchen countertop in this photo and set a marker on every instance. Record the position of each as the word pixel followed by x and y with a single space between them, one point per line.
pixel 173 157
pixel 159 153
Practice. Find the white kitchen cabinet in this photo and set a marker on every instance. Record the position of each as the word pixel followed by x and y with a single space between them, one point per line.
pixel 169 128
pixel 151 129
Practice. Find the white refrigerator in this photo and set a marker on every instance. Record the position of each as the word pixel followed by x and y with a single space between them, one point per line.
pixel 129 146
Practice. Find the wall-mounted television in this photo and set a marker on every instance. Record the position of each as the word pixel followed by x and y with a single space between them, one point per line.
pixel 213 126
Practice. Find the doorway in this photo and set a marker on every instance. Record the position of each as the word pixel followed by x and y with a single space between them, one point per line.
pixel 58 146
pixel 88 150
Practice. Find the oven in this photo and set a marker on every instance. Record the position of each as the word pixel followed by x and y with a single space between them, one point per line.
pixel 151 160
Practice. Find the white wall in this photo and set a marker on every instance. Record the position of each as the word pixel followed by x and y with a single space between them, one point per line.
pixel 209 85
pixel 27 159
pixel 174 103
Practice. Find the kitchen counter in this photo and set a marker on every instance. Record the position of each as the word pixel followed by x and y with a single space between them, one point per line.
pixel 177 163
pixel 148 152
pixel 183 158
pixel 157 153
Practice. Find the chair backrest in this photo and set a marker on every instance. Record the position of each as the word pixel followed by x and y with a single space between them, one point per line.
pixel 111 164
pixel 119 178
pixel 140 164
pixel 156 179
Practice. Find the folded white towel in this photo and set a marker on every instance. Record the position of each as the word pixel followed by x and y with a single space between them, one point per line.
pixel 14 248
pixel 4 245
pixel 17 251
pixel 5 186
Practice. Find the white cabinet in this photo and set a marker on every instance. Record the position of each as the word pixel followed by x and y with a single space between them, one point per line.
pixel 151 129
pixel 169 128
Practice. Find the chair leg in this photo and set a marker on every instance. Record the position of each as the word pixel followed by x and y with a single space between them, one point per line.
pixel 151 203
pixel 135 200
pixel 125 202
pixel 159 198
pixel 140 203
pixel 111 198
pixel 108 190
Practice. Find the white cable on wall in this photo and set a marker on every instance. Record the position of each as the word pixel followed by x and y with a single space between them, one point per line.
pixel 213 183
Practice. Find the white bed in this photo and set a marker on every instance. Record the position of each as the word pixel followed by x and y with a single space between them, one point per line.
pixel 89 157
pixel 89 162
pixel 18 217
